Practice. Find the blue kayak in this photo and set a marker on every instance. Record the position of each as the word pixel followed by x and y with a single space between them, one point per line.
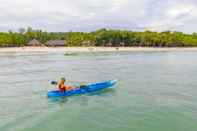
pixel 85 89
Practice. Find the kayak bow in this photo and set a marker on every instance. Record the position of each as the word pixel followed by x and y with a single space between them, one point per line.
pixel 88 88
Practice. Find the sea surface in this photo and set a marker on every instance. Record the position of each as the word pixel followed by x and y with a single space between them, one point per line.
pixel 156 91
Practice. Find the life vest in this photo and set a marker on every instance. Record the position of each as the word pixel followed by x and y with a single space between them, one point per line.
pixel 62 89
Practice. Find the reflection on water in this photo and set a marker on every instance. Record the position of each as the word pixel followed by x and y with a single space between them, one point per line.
pixel 83 98
pixel 104 93
pixel 59 100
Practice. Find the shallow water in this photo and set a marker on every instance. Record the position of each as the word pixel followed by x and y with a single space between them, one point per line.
pixel 156 91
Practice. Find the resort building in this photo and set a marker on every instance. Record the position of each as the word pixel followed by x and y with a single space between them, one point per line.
pixel 34 42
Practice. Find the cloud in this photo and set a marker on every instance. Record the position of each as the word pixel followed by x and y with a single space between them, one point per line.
pixel 172 15
pixel 88 15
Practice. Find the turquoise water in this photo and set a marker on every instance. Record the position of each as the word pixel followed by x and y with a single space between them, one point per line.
pixel 157 91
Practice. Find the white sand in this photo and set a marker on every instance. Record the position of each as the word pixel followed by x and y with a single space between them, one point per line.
pixel 91 49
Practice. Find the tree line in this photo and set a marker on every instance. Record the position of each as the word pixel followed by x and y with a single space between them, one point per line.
pixel 101 37
pixel 23 36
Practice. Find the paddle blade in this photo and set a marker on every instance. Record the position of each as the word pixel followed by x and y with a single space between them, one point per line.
pixel 54 82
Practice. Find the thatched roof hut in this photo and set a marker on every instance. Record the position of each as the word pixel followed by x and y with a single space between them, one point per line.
pixel 56 43
pixel 109 44
pixel 34 42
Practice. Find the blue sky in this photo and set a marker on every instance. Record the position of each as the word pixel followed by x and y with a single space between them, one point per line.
pixel 89 15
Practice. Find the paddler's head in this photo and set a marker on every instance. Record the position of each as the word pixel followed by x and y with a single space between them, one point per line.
pixel 63 80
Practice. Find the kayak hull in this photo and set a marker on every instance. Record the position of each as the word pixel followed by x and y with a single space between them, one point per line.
pixel 88 88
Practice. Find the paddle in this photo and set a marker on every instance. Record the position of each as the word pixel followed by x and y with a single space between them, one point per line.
pixel 81 85
pixel 78 81
pixel 53 82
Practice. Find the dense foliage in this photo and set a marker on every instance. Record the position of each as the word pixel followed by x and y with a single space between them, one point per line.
pixel 102 37
pixel 22 37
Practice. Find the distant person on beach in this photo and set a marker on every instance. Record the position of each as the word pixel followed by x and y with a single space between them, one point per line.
pixel 62 87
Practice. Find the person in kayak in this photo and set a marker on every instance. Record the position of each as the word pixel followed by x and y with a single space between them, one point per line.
pixel 62 87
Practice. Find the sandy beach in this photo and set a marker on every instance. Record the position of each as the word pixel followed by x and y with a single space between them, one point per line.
pixel 92 49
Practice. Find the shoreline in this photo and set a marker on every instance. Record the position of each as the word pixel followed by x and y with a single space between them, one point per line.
pixel 94 49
